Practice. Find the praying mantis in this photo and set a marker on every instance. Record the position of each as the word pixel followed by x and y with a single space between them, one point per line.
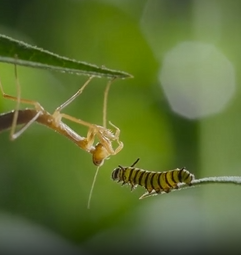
pixel 100 151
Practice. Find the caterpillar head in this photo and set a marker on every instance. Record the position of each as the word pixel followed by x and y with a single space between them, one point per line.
pixel 117 174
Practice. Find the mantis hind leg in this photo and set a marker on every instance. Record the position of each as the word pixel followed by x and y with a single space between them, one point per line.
pixel 106 93
pixel 72 98
pixel 18 99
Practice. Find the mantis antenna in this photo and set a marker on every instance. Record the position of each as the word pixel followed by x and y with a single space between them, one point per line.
pixel 104 125
pixel 15 116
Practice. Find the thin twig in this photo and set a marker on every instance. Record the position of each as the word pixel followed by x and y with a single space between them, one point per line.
pixel 197 182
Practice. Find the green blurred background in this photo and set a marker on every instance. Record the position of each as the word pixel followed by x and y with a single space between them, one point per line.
pixel 45 179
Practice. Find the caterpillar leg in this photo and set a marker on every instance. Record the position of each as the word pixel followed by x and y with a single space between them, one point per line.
pixel 149 194
pixel 158 191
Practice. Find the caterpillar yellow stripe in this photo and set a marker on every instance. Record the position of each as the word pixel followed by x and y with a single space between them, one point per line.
pixel 154 182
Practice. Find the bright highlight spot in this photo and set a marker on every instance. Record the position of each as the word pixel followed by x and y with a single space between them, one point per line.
pixel 197 79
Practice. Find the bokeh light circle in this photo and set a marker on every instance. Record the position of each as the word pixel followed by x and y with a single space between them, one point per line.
pixel 197 79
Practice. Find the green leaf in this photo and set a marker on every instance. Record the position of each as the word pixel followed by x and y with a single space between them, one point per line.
pixel 18 52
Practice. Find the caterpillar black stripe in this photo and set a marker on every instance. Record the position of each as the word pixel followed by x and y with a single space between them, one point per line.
pixel 154 182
